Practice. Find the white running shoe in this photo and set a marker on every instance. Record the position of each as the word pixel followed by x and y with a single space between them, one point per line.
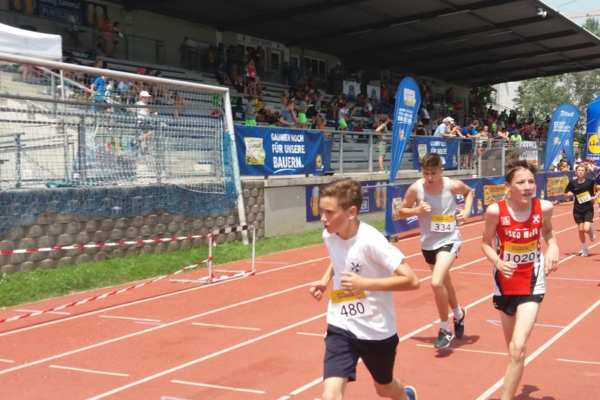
pixel 584 252
pixel 592 233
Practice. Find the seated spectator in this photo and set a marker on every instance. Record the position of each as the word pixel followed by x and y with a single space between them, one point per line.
pixel 420 130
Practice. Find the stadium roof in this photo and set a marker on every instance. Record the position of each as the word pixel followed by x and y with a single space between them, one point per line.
pixel 470 42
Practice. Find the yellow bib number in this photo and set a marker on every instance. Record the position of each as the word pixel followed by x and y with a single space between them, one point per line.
pixel 583 197
pixel 520 253
pixel 443 223
pixel 349 306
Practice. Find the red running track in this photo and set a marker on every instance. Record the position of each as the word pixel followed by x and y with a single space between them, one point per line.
pixel 262 337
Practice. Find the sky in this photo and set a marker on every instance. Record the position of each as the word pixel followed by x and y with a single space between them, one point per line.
pixel 568 6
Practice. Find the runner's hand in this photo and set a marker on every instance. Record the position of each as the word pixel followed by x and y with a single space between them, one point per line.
pixel 424 207
pixel 352 283
pixel 506 268
pixel 317 289
pixel 551 259
pixel 462 217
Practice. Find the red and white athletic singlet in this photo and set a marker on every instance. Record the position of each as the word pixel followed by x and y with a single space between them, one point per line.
pixel 521 243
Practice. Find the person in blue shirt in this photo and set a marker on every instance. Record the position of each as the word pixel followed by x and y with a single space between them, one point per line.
pixel 99 89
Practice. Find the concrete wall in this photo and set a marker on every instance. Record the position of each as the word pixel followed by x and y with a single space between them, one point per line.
pixel 63 229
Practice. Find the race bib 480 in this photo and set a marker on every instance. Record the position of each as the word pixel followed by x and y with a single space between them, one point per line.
pixel 520 253
pixel 349 306
pixel 443 223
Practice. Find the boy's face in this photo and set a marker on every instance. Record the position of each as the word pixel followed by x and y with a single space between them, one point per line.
pixel 432 175
pixel 334 218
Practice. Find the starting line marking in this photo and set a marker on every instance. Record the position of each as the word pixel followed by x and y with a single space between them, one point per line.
pixel 578 362
pixel 91 371
pixel 218 387
pixel 467 350
pixel 129 318
pixel 321 335
pixel 49 312
pixel 226 326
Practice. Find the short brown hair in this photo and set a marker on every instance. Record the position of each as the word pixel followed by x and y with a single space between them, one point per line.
pixel 431 160
pixel 513 165
pixel 347 191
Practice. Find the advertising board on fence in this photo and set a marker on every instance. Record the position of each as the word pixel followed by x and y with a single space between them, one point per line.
pixel 447 149
pixel 277 151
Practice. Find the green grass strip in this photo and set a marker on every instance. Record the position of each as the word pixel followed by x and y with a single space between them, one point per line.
pixel 27 287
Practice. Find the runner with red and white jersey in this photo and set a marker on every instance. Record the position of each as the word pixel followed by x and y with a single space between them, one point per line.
pixel 517 225
pixel 520 242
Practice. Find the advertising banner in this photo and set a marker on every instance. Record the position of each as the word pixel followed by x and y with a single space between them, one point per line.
pixel 351 89
pixel 560 134
pixel 593 130
pixel 408 102
pixel 531 156
pixel 556 182
pixel 374 199
pixel 374 92
pixel 446 148
pixel 72 11
pixel 277 151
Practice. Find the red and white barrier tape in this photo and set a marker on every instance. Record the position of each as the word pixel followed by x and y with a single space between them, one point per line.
pixel 129 242
pixel 102 296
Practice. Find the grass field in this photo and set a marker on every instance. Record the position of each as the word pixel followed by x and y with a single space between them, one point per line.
pixel 36 285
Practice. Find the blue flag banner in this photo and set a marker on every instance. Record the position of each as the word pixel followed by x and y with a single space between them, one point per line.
pixel 560 134
pixel 408 102
pixel 447 149
pixel 593 130
pixel 276 151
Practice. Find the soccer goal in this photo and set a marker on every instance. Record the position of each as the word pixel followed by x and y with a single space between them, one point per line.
pixel 124 144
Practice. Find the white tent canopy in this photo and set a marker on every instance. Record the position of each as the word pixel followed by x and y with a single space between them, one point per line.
pixel 32 44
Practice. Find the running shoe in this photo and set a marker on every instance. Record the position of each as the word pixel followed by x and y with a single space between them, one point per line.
pixel 584 252
pixel 411 393
pixel 459 326
pixel 592 233
pixel 443 340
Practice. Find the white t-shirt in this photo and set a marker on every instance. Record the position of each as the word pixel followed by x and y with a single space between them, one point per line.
pixel 370 255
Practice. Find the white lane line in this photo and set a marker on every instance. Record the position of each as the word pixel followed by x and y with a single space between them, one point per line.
pixel 578 362
pixel 266 262
pixel 207 357
pixel 86 314
pixel 120 338
pixel 321 335
pixel 488 274
pixel 467 350
pixel 89 371
pixel 226 326
pixel 541 349
pixel 218 387
pixel 148 323
pixel 497 322
pixel 129 318
pixel 6 361
pixel 50 312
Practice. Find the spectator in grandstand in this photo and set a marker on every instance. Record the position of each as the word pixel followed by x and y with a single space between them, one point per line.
pixel 502 136
pixel 302 109
pixel 250 73
pixel 288 115
pixel 250 113
pixel 221 75
pixel 115 37
pixel 424 115
pixel 98 89
pixel 160 91
pixel 515 139
pixel 144 122
pixel 179 104
pixel 27 72
pixel 124 90
pixel 367 110
pixel 184 53
pixel 319 122
pixel 445 129
pixel 342 117
pixel 260 60
pixel 383 122
pixel 420 130
pixel 467 145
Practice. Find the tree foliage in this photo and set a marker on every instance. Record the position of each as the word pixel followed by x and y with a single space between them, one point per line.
pixel 545 94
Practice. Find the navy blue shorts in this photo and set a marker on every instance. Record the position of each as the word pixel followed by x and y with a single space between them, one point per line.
pixel 343 348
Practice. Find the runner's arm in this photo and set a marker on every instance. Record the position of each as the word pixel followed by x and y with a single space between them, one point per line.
pixel 491 224
pixel 552 254
pixel 404 279
pixel 459 187
pixel 407 210
pixel 319 287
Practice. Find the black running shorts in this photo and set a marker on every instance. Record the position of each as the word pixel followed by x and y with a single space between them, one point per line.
pixel 584 216
pixel 431 255
pixel 508 303
pixel 343 348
